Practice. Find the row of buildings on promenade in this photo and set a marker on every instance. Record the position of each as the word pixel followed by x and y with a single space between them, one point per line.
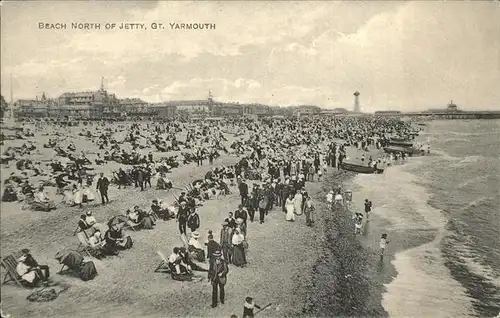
pixel 102 104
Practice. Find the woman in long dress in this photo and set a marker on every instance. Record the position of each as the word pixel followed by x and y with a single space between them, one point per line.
pixel 289 206
pixel 297 201
pixel 239 258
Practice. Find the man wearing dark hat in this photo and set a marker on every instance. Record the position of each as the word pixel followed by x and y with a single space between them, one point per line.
pixel 243 188
pixel 102 186
pixel 217 274
pixel 182 216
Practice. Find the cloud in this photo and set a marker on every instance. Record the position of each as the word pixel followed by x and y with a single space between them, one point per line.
pixel 399 55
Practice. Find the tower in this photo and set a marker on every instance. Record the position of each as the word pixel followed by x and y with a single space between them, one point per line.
pixel 356 102
pixel 11 108
pixel 210 96
pixel 102 83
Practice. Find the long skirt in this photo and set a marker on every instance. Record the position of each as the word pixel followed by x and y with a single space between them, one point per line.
pixel 298 206
pixel 239 258
pixel 290 215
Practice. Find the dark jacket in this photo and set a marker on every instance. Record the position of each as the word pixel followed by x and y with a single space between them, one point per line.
pixel 212 246
pixel 102 184
pixel 193 221
pixel 241 215
pixel 217 273
pixel 243 187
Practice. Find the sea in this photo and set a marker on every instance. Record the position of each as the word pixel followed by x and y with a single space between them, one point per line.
pixel 451 199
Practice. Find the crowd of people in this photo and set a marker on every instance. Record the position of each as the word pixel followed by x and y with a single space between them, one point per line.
pixel 278 158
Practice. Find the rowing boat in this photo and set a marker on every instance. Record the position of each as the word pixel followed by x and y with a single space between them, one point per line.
pixel 359 168
pixel 398 149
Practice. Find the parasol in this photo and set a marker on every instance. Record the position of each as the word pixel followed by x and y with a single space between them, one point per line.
pixel 119 219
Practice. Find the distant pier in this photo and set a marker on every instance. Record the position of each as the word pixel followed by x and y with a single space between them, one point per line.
pixel 455 115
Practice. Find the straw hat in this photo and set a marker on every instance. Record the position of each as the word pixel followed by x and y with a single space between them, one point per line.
pixel 217 254
pixel 195 234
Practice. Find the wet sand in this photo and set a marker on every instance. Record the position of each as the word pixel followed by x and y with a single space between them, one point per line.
pixel 348 278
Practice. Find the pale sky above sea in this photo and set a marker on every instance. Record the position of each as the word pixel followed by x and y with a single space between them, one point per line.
pixel 399 55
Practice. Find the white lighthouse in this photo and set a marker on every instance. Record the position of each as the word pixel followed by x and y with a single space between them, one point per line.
pixel 357 109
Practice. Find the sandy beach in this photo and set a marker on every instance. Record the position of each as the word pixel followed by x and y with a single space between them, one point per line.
pixel 281 256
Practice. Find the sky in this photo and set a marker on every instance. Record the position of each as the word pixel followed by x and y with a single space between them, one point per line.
pixel 405 56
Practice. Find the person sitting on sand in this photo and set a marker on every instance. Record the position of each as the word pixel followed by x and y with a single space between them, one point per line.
pixel 162 213
pixel 82 223
pixel 99 244
pixel 195 247
pixel 186 257
pixel 42 203
pixel 29 269
pixel 115 239
pixel 339 199
pixel 27 189
pixel 9 194
pixel 163 182
pixel 133 215
pixel 179 270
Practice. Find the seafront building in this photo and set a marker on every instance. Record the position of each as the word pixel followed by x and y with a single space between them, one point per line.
pixel 101 104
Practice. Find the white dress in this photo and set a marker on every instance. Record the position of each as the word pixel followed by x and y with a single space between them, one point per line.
pixel 297 201
pixel 289 206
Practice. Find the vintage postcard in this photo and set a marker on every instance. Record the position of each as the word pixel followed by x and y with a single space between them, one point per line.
pixel 250 158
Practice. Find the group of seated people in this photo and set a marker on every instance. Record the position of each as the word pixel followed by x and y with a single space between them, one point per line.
pixel 79 195
pixel 139 217
pixel 103 242
pixel 181 265
pixel 41 202
pixel 163 211
pixel 163 182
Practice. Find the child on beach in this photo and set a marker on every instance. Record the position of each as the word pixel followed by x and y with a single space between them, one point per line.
pixel 383 244
pixel 368 209
pixel 248 307
pixel 358 222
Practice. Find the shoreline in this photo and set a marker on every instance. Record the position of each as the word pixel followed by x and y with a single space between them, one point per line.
pixel 348 278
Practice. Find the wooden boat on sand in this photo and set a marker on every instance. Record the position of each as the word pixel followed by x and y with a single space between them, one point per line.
pixel 360 168
pixel 401 143
pixel 397 149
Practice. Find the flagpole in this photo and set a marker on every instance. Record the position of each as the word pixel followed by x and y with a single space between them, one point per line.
pixel 11 100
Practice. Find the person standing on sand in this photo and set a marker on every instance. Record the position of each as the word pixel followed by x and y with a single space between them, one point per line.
pixel 248 307
pixel 212 246
pixel 102 187
pixel 368 209
pixel 193 220
pixel 243 188
pixel 182 216
pixel 226 236
pixel 217 275
pixel 298 202
pixel 383 244
pixel 289 206
pixel 309 211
